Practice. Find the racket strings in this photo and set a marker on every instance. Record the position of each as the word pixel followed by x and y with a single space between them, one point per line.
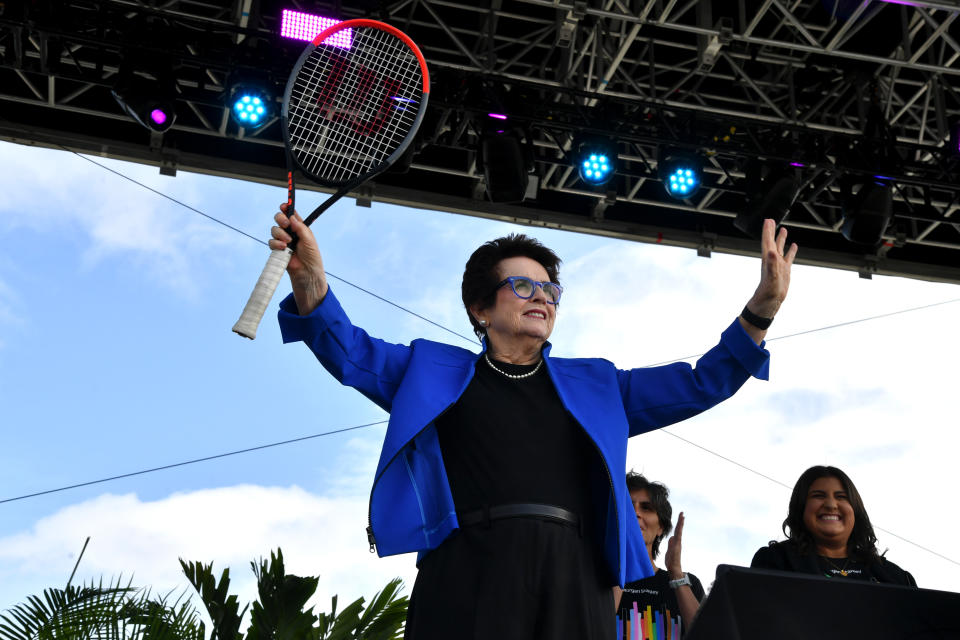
pixel 356 148
pixel 350 109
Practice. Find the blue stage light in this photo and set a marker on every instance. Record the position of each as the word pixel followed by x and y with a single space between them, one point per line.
pixel 251 107
pixel 680 173
pixel 596 163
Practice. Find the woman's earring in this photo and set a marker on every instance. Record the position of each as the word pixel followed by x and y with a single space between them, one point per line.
pixel 482 323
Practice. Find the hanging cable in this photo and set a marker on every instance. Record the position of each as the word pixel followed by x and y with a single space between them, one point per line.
pixel 194 461
pixel 472 341
pixel 824 328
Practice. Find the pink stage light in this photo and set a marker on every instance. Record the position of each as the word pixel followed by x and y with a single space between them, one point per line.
pixel 306 26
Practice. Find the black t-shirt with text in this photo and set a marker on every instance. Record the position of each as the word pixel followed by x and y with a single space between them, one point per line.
pixel 663 612
pixel 785 556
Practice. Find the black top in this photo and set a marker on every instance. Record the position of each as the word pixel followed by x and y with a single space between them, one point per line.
pixel 784 556
pixel 656 593
pixel 508 441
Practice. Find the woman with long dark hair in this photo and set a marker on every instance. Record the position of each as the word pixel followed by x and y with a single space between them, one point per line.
pixel 829 533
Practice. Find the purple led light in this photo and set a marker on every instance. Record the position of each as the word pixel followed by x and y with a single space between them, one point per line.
pixel 797 164
pixel 159 116
pixel 306 26
pixel 883 178
pixel 498 116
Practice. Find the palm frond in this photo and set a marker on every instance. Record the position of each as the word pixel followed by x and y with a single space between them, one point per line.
pixel 112 612
pixel 279 613
pixel 222 608
pixel 385 617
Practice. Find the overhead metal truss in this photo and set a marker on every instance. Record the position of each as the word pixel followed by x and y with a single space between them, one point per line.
pixel 846 90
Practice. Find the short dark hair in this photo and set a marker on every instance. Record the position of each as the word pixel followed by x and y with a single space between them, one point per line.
pixel 659 495
pixel 862 543
pixel 480 275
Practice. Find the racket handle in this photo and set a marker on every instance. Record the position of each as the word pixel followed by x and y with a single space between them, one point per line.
pixel 262 293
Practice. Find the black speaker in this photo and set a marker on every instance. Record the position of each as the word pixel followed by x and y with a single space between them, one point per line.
pixel 504 167
pixel 773 198
pixel 867 213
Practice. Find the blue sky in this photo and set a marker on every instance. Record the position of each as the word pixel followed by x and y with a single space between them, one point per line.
pixel 116 355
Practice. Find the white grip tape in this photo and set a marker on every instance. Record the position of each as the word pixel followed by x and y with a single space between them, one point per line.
pixel 262 293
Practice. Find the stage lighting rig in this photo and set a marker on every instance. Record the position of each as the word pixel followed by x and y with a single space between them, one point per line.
pixel 298 25
pixel 771 190
pixel 506 161
pixel 867 209
pixel 150 102
pixel 596 160
pixel 680 172
pixel 251 103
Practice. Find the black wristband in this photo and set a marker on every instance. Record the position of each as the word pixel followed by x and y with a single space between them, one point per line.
pixel 760 323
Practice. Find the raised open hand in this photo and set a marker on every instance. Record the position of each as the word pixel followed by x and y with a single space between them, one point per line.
pixel 776 262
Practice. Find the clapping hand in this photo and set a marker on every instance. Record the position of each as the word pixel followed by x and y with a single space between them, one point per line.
pixel 674 545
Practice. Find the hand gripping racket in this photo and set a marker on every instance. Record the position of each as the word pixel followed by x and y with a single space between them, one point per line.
pixel 352 105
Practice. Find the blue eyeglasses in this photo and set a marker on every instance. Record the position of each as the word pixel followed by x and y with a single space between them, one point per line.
pixel 525 288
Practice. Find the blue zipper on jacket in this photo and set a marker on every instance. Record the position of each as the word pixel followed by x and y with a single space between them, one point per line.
pixel 371 539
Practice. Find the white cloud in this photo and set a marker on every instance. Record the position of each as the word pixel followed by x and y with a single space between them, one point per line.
pixel 229 526
pixel 356 464
pixel 114 218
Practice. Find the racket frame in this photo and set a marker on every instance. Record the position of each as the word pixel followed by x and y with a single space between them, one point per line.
pixel 277 263
pixel 343 188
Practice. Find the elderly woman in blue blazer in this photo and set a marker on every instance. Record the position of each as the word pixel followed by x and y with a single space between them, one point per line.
pixel 504 470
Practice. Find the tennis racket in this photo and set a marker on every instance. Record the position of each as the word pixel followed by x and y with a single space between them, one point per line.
pixel 352 106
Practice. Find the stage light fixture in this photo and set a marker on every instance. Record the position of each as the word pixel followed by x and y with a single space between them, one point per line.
pixel 298 25
pixel 680 172
pixel 867 212
pixel 251 106
pixel 148 102
pixel 771 190
pixel 506 163
pixel 596 161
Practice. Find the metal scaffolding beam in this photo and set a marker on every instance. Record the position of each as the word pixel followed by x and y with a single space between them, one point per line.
pixel 735 81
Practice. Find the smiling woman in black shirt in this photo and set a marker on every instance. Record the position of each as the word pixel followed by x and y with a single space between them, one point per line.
pixel 829 533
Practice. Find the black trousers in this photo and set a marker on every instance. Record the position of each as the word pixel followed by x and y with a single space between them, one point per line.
pixel 513 579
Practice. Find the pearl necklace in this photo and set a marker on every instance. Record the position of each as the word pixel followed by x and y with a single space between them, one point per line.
pixel 510 375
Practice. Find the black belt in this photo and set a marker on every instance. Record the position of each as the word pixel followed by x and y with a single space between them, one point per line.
pixel 499 512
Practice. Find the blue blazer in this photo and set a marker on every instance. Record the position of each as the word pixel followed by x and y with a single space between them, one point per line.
pixel 411 505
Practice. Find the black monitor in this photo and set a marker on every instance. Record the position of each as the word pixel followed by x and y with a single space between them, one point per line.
pixel 755 604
